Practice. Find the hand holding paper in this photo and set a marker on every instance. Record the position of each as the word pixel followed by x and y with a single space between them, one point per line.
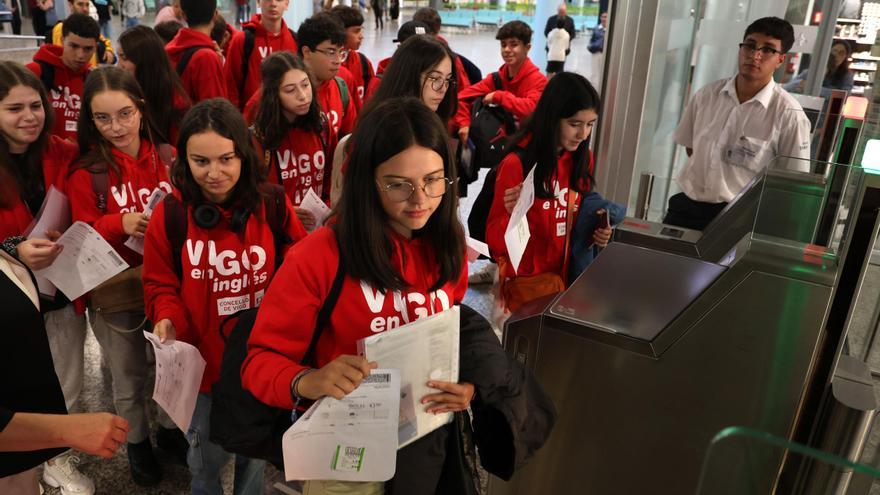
pixel 317 208
pixel 179 370
pixel 517 235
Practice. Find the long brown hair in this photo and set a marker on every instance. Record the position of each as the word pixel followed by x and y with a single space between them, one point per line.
pixel 94 149
pixel 15 180
pixel 270 124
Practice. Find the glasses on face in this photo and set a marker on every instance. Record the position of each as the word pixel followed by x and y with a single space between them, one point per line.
pixel 749 49
pixel 125 117
pixel 403 190
pixel 334 53
pixel 438 83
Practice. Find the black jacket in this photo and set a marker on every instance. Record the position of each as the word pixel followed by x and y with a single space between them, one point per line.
pixel 569 25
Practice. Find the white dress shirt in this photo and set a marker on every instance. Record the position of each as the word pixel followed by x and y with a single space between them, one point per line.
pixel 732 141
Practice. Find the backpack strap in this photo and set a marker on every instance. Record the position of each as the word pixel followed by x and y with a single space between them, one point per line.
pixel 496 79
pixel 276 216
pixel 365 69
pixel 343 92
pixel 185 58
pixel 176 224
pixel 293 35
pixel 166 154
pixel 324 314
pixel 100 186
pixel 47 75
pixel 250 36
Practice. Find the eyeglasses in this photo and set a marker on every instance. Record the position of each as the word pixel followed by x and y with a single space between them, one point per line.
pixel 125 117
pixel 403 190
pixel 749 49
pixel 334 53
pixel 438 83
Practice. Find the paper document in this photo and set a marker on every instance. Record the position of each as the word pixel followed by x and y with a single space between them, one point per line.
pixel 136 244
pixel 54 214
pixel 353 439
pixel 426 349
pixel 517 235
pixel 179 369
pixel 475 248
pixel 314 205
pixel 86 261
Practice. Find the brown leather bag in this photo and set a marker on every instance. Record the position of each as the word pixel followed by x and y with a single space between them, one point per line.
pixel 124 293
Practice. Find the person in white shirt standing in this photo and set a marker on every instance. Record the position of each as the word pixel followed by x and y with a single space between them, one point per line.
pixel 558 41
pixel 733 128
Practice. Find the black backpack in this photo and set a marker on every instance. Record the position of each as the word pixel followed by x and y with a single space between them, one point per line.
pixel 490 127
pixel 187 55
pixel 240 423
pixel 483 202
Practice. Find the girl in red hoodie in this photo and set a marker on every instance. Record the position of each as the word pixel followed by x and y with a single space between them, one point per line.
pixel 31 161
pixel 398 237
pixel 227 258
pixel 292 131
pixel 108 189
pixel 555 142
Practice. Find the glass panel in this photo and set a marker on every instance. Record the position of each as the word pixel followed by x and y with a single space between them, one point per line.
pixel 743 460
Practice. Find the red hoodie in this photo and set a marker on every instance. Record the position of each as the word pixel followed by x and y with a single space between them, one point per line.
pixel 330 98
pixel 203 76
pixel 374 82
pixel 546 217
pixel 128 193
pixel 66 94
pixel 15 218
pixel 223 272
pixel 265 44
pixel 519 95
pixel 302 162
pixel 354 65
pixel 287 317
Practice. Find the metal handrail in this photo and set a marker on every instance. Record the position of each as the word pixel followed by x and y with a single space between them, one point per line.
pixel 20 37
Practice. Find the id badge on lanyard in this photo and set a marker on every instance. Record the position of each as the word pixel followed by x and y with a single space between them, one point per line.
pixel 740 153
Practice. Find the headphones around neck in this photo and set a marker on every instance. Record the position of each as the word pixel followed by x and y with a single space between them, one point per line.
pixel 208 215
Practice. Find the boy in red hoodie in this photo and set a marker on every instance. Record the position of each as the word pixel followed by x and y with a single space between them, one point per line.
pixel 192 53
pixel 357 63
pixel 267 33
pixel 321 41
pixel 521 81
pixel 63 70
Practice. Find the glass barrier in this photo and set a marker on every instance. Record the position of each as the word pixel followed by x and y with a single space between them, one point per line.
pixel 748 461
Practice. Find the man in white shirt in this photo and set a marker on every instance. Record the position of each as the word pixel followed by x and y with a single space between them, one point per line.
pixel 734 128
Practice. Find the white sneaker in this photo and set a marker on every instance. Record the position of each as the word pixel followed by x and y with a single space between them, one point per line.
pixel 65 475
pixel 485 275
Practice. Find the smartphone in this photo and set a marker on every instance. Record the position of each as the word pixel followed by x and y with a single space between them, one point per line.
pixel 602 221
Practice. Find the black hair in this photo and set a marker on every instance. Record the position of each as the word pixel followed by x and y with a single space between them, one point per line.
pixel 218 30
pixel 362 227
pixel 167 30
pixel 270 124
pixel 839 74
pixel 403 77
pixel 198 12
pixel 430 17
pixel 566 94
pixel 15 180
pixel 319 28
pixel 82 26
pixel 155 75
pixel 775 28
pixel 220 116
pixel 515 29
pixel 348 16
pixel 93 147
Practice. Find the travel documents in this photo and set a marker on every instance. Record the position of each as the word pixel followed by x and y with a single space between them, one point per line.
pixel 517 235
pixel 54 214
pixel 86 261
pixel 179 370
pixel 353 439
pixel 425 349
pixel 314 205
pixel 136 244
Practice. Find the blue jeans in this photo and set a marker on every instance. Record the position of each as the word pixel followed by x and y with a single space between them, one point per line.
pixel 206 459
pixel 132 21
pixel 107 29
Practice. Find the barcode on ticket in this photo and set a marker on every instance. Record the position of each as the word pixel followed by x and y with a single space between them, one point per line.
pixel 348 459
pixel 378 378
pixel 115 257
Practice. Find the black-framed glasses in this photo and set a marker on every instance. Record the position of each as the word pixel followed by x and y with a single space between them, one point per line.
pixel 334 53
pixel 438 83
pixel 403 190
pixel 749 49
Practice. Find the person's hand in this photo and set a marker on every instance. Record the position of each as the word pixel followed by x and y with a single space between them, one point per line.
pixel 488 98
pixel 96 433
pixel 308 220
pixel 38 253
pixel 602 236
pixel 165 330
pixel 108 57
pixel 453 397
pixel 511 196
pixel 337 378
pixel 463 134
pixel 134 224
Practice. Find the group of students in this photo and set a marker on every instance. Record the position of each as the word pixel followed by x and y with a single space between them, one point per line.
pixel 236 143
